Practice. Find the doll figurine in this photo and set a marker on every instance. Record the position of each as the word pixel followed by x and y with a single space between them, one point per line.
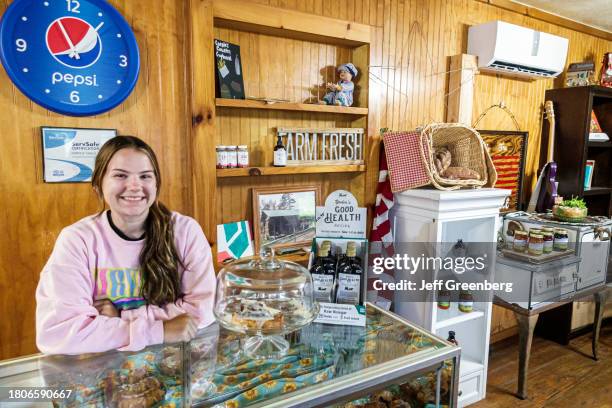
pixel 606 70
pixel 341 93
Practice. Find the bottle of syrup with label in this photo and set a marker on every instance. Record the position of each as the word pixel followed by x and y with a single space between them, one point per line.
pixel 349 276
pixel 280 153
pixel 323 276
pixel 451 338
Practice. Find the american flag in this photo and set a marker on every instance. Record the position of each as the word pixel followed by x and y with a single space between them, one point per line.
pixel 508 171
pixel 381 236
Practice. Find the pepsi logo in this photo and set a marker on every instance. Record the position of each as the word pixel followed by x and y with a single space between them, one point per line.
pixel 74 42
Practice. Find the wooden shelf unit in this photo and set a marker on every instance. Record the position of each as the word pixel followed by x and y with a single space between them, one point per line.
pixel 599 144
pixel 271 171
pixel 596 190
pixel 285 54
pixel 289 106
pixel 573 108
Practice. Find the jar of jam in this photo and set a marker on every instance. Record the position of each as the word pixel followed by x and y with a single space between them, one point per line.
pixel 535 231
pixel 221 157
pixel 536 244
pixel 561 240
pixel 232 156
pixel 243 156
pixel 520 241
pixel 548 242
pixel 466 302
pixel 444 297
pixel 548 229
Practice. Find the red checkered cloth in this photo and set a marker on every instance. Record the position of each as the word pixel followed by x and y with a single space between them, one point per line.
pixel 406 167
pixel 381 236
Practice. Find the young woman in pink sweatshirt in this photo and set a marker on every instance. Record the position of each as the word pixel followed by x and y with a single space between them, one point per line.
pixel 128 277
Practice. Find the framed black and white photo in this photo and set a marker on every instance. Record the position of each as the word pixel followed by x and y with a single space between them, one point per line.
pixel 284 216
pixel 69 154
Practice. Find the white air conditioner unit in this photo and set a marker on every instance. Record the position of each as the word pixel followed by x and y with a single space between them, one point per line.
pixel 505 48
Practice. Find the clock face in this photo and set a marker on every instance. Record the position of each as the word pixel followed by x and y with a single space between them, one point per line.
pixel 75 57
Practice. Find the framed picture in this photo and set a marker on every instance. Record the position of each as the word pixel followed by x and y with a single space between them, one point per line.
pixel 69 154
pixel 508 151
pixel 284 216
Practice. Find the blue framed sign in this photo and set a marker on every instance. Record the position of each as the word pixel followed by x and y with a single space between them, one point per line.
pixel 74 57
pixel 69 154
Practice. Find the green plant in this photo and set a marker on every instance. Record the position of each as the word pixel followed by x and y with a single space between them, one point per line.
pixel 575 202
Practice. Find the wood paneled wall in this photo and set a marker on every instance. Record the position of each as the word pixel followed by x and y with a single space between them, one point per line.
pixel 33 213
pixel 408 80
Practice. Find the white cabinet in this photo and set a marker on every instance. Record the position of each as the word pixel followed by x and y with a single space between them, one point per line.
pixel 437 220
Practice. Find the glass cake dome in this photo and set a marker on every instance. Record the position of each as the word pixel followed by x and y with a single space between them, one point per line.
pixel 264 298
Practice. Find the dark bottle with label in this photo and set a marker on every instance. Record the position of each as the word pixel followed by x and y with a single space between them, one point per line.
pixel 323 277
pixel 329 259
pixel 350 274
pixel 280 153
pixel 341 257
pixel 451 338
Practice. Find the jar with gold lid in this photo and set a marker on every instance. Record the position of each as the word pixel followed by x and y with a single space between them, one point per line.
pixel 536 244
pixel 561 240
pixel 520 241
pixel 548 242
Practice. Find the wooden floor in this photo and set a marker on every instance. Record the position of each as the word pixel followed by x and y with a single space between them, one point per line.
pixel 559 376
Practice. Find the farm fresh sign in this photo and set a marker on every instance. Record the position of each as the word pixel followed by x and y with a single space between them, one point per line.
pixel 323 146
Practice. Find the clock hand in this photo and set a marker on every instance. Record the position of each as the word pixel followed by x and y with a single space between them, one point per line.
pixel 99 25
pixel 73 53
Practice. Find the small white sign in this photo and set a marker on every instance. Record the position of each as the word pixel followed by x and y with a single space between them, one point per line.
pixel 348 315
pixel 341 217
pixel 69 154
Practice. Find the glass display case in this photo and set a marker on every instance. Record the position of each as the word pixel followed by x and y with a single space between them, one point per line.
pixel 390 362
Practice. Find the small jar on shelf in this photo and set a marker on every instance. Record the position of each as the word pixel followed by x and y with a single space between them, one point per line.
pixel 536 244
pixel 548 242
pixel 520 241
pixel 243 156
pixel 466 302
pixel 561 240
pixel 444 299
pixel 232 157
pixel 221 157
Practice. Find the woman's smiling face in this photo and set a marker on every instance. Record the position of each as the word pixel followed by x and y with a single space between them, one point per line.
pixel 129 185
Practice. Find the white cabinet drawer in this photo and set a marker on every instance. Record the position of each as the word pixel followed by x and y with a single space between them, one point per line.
pixel 469 389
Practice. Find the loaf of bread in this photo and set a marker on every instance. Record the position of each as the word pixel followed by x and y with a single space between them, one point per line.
pixel 442 159
pixel 460 173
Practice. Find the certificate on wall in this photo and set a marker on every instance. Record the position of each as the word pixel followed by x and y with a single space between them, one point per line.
pixel 69 154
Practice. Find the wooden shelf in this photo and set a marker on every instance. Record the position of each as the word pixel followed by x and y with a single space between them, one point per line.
pixel 599 144
pixel 469 366
pixel 245 16
pixel 271 171
pixel 454 316
pixel 299 257
pixel 597 191
pixel 289 106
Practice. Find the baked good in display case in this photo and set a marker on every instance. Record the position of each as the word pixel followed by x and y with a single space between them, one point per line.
pixel 149 378
pixel 264 298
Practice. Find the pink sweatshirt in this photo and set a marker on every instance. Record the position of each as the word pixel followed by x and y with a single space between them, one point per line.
pixel 90 261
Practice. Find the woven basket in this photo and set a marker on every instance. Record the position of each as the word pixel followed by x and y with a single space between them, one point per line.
pixel 467 150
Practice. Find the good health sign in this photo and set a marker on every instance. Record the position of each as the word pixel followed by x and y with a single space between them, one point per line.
pixel 341 217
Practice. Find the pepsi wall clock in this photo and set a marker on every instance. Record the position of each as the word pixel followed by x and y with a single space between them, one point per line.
pixel 74 57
